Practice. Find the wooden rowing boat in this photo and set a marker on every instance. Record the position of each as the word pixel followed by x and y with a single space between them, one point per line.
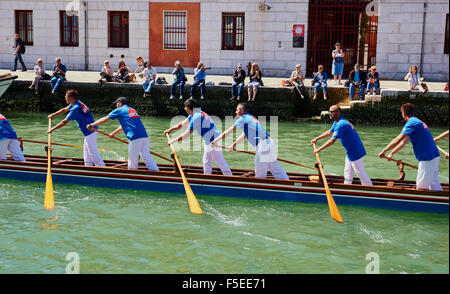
pixel 390 194
pixel 6 81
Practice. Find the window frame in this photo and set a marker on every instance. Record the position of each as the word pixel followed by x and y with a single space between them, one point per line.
pixel 185 29
pixel 71 29
pixel 122 27
pixel 235 31
pixel 26 27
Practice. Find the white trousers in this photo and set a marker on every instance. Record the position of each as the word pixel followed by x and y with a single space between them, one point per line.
pixel 428 175
pixel 266 159
pixel 211 155
pixel 356 166
pixel 11 145
pixel 141 147
pixel 90 150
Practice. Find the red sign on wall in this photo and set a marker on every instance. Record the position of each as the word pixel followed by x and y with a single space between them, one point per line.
pixel 299 30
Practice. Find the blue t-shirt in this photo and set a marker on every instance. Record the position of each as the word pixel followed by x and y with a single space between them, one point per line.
pixel 6 130
pixel 254 131
pixel 129 120
pixel 81 113
pixel 423 143
pixel 204 125
pixel 200 74
pixel 62 67
pixel 346 133
pixel 356 79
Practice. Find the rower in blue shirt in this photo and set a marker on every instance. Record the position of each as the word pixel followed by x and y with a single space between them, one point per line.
pixel 266 154
pixel 80 113
pixel 8 141
pixel 203 124
pixel 343 130
pixel 424 148
pixel 134 130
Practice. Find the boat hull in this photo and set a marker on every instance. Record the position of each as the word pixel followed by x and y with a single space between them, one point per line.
pixel 5 83
pixel 202 185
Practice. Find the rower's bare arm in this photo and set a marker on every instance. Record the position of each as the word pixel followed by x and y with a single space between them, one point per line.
pixel 239 140
pixel 59 125
pixel 398 147
pixel 59 112
pixel 115 132
pixel 224 134
pixel 441 136
pixel 177 127
pixel 326 145
pixel 392 145
pixel 324 135
pixel 181 137
pixel 98 122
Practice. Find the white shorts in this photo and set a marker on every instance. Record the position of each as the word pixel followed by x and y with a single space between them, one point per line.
pixel 266 159
pixel 356 166
pixel 141 147
pixel 13 146
pixel 428 175
pixel 90 150
pixel 215 154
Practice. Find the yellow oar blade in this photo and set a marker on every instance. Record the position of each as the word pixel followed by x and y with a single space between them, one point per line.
pixel 49 202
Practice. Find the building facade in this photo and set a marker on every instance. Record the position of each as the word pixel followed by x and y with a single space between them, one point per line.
pixel 391 34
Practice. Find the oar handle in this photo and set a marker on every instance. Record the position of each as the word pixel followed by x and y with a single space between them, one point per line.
pixel 442 150
pixel 59 144
pixel 398 161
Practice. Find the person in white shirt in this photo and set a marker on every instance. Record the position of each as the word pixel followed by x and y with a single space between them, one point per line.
pixel 414 79
pixel 297 79
pixel 150 77
pixel 39 71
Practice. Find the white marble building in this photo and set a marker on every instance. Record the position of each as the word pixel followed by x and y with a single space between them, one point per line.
pixel 403 38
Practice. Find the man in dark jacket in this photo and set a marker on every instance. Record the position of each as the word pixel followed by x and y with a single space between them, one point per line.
pixel 357 79
pixel 19 49
pixel 239 78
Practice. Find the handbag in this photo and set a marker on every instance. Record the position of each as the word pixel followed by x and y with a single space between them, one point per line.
pixel 424 87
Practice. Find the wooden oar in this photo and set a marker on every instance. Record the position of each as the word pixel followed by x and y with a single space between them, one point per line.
pixel 331 204
pixel 398 161
pixel 49 203
pixel 126 142
pixel 193 203
pixel 442 150
pixel 59 144
pixel 280 159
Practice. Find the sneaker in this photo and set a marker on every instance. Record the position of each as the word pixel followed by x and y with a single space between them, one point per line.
pixel 315 97
pixel 13 70
pixel 171 97
pixel 192 97
pixel 301 95
pixel 24 69
pixel 181 97
pixel 324 97
pixel 145 94
pixel 232 98
pixel 36 92
pixel 202 97
pixel 30 87
pixel 53 91
pixel 239 98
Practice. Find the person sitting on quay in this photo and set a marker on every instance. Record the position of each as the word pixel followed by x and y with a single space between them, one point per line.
pixel 107 74
pixel 19 49
pixel 414 79
pixel 266 155
pixel 238 82
pixel 320 80
pixel 337 69
pixel 203 124
pixel 8 141
pixel 134 130
pixel 424 147
pixel 343 130
pixel 39 72
pixel 442 136
pixel 180 79
pixel 357 78
pixel 59 75
pixel 297 79
pixel 373 81
pixel 149 75
pixel 255 81
pixel 199 80
pixel 124 74
pixel 142 65
pixel 79 112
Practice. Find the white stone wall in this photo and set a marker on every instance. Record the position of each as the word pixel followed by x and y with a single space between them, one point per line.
pixel 399 42
pixel 267 39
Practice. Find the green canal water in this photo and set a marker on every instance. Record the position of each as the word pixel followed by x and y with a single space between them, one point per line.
pixel 125 231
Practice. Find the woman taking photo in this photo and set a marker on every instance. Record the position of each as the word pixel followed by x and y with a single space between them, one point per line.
pixel 337 68
pixel 255 81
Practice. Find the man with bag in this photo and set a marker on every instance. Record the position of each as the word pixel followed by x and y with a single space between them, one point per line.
pixel 19 50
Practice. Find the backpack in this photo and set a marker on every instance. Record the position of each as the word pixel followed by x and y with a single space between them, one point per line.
pixel 22 49
pixel 161 81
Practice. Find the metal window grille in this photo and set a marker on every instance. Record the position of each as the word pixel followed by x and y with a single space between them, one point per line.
pixel 24 25
pixel 233 28
pixel 118 30
pixel 68 29
pixel 343 21
pixel 175 30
